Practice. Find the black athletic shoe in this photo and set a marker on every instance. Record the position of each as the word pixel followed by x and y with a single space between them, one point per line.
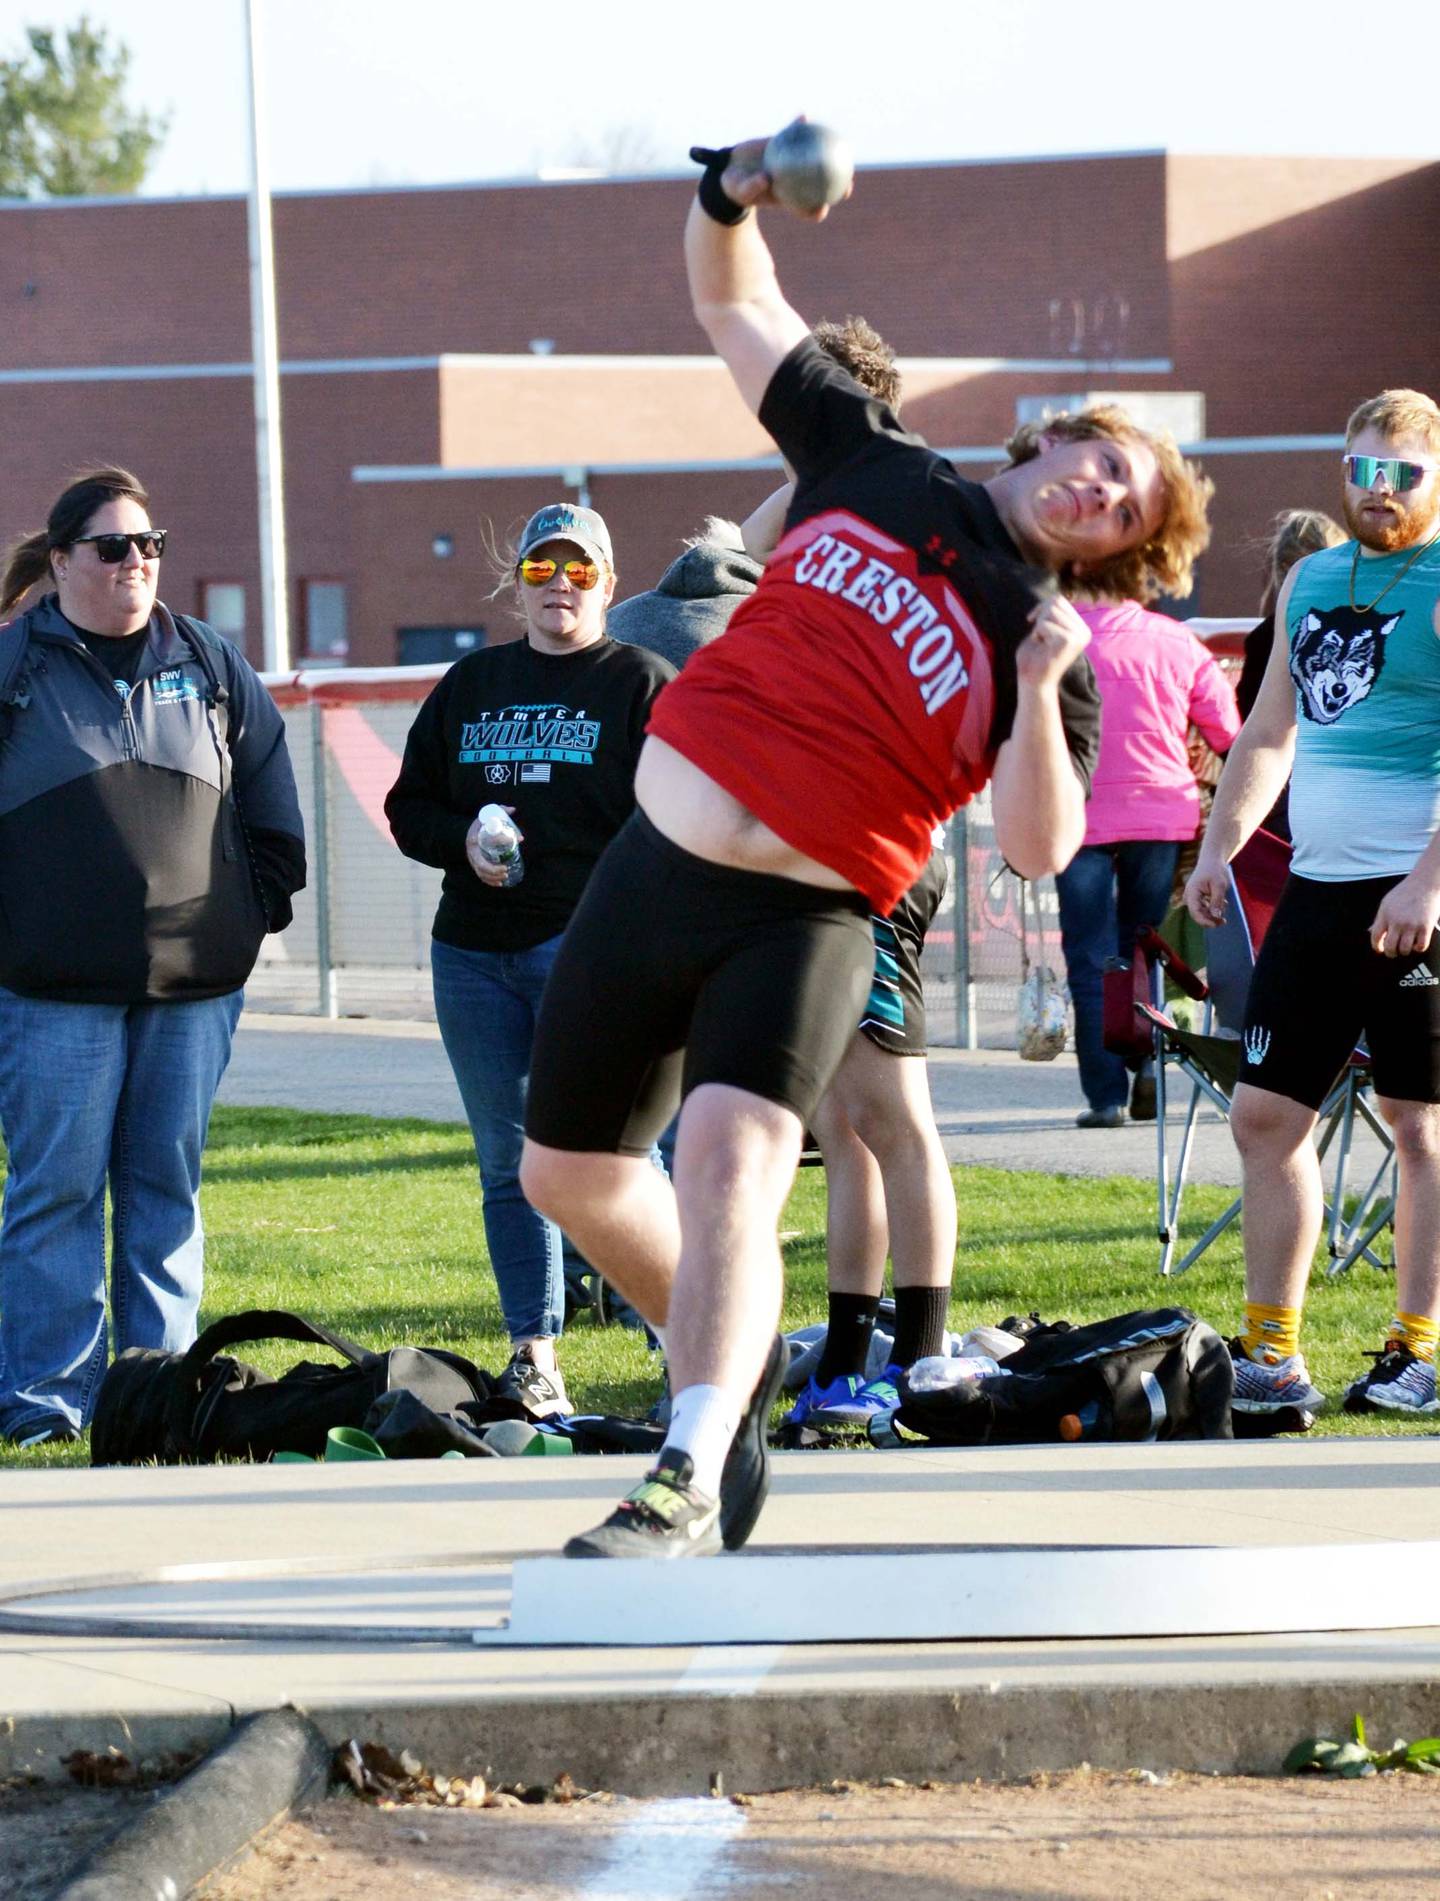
pixel 540 1395
pixel 664 1517
pixel 746 1478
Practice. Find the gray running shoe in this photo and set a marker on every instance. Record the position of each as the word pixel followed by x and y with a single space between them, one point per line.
pixel 1272 1386
pixel 664 1517
pixel 1399 1382
pixel 746 1478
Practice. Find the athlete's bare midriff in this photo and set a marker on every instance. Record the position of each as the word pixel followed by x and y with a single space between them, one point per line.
pixel 699 816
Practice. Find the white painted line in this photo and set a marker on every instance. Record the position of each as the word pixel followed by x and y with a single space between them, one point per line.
pixel 666 1851
pixel 730 1669
pixel 963 1596
pixel 170 372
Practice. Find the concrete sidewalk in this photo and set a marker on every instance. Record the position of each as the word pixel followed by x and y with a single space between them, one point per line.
pixel 991 1108
pixel 427 1549
pixel 667 1719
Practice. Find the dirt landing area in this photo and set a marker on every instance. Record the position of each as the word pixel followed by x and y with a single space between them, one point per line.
pixel 1067 1838
pixel 45 1831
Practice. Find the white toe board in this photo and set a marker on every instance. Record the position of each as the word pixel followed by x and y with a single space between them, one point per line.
pixel 870 1598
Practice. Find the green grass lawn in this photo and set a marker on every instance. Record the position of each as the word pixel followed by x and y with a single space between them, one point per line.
pixel 374 1228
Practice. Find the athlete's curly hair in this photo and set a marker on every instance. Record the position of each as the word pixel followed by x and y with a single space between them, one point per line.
pixel 858 347
pixel 1165 564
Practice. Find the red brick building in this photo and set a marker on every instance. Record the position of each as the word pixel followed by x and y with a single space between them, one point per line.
pixel 419 417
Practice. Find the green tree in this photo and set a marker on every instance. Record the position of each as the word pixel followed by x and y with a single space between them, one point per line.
pixel 65 128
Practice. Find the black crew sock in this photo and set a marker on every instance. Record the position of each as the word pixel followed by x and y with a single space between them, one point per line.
pixel 920 1314
pixel 847 1339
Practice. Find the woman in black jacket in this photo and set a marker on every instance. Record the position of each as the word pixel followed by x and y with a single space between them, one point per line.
pixel 149 837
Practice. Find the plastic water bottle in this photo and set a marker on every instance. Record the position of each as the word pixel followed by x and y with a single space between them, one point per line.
pixel 941 1373
pixel 499 842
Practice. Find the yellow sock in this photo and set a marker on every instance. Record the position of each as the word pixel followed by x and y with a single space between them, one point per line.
pixel 1420 1333
pixel 1271 1333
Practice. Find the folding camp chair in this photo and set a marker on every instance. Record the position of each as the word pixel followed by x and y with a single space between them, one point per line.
pixel 1211 1064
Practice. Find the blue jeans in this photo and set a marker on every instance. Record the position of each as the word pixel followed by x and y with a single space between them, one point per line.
pixel 1107 893
pixel 90 1092
pixel 486 1003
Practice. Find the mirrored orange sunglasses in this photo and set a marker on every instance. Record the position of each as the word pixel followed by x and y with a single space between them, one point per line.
pixel 581 574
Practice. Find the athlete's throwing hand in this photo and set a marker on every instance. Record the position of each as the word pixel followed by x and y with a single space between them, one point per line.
pixel 746 181
pixel 1056 639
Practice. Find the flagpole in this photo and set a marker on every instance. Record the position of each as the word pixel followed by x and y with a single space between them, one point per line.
pixel 274 592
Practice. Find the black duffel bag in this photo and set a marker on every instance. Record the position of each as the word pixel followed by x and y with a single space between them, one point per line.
pixel 196 1407
pixel 1161 1374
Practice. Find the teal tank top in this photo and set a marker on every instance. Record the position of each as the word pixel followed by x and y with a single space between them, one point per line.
pixel 1365 796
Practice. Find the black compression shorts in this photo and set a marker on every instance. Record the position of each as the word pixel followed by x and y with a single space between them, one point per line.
pixel 1319 989
pixel 894 1016
pixel 676 972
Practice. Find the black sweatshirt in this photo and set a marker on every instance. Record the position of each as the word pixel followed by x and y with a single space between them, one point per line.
pixel 557 737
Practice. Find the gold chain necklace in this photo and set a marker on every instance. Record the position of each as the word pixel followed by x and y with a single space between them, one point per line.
pixel 1394 580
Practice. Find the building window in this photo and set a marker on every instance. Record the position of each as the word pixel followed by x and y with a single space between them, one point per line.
pixel 324 619
pixel 424 646
pixel 222 605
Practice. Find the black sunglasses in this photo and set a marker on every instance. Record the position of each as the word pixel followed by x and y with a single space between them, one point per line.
pixel 112 549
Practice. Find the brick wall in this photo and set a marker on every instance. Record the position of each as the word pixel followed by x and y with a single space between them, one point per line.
pixel 1283 289
pixel 945 259
pixel 192 442
pixel 1291 321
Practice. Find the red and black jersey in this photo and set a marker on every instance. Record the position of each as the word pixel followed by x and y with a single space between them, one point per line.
pixel 861 693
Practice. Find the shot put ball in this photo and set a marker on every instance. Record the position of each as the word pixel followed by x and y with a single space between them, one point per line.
pixel 809 166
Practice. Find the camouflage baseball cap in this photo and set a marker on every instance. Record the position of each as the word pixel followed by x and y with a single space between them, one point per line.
pixel 563 521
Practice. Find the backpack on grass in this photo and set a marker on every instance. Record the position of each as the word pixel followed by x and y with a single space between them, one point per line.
pixel 199 1406
pixel 1150 1375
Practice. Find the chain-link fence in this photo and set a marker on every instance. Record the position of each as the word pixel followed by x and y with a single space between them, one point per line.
pixel 360 943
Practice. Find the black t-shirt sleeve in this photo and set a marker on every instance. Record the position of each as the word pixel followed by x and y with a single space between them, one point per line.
pixel 423 821
pixel 819 415
pixel 1080 715
pixel 657 675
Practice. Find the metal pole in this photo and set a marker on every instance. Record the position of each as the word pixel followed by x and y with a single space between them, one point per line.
pixel 320 860
pixel 275 618
pixel 965 1034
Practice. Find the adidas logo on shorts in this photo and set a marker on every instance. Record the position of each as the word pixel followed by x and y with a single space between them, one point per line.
pixel 1419 979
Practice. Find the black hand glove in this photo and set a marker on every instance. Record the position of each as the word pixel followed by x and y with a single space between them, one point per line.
pixel 715 201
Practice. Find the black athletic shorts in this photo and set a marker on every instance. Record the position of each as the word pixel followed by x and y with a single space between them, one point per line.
pixel 894 1016
pixel 1319 990
pixel 675 972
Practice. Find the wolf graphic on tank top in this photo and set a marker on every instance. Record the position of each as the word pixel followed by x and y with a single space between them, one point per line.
pixel 1365 796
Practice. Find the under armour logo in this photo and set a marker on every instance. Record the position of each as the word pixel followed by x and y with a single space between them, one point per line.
pixel 1257 1045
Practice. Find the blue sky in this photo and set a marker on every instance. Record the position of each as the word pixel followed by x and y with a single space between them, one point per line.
pixel 363 92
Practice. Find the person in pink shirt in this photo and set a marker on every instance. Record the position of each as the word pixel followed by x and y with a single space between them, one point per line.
pixel 1155 680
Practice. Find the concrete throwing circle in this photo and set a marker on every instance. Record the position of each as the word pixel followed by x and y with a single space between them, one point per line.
pixel 1029 1593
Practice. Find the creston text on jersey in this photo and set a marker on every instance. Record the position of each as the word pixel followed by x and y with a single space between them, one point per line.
pixel 837 567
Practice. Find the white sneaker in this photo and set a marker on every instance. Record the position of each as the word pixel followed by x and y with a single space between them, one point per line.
pixel 1399 1382
pixel 1272 1385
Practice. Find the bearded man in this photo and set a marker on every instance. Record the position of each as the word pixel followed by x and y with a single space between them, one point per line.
pixel 1351 697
